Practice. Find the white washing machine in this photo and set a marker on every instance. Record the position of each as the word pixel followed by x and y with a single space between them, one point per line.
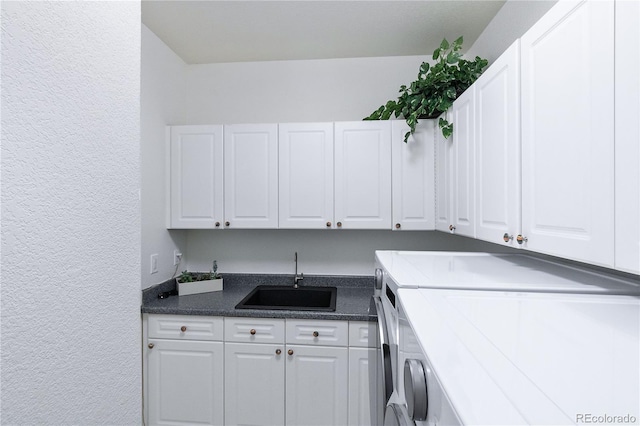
pixel 396 270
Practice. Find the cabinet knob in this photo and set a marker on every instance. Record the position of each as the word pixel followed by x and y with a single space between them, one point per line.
pixel 278 351
pixel 339 224
pixel 217 224
pixel 520 239
pixel 252 331
pixel 183 328
pixel 316 334
pixel 506 237
pixel 151 345
pixel 290 351
pixel 398 226
pixel 452 228
pixel 328 224
pixel 227 223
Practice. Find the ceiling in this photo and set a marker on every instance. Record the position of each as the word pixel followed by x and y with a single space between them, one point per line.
pixel 210 31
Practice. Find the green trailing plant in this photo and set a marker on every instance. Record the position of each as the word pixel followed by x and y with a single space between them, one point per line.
pixel 436 88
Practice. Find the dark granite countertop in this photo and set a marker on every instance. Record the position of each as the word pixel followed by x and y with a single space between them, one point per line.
pixel 353 301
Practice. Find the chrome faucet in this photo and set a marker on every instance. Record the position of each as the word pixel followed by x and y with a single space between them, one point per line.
pixel 298 276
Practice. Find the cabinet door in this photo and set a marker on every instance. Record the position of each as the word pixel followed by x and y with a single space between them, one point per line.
pixel 463 181
pixel 196 172
pixel 627 150
pixel 185 382
pixel 413 176
pixel 497 145
pixel 359 400
pixel 363 175
pixel 251 176
pixel 254 384
pixel 317 385
pixel 306 175
pixel 443 178
pixel 568 132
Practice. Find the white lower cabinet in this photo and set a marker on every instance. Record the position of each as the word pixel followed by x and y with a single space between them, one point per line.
pixel 266 372
pixel 254 384
pixel 359 400
pixel 184 367
pixel 316 385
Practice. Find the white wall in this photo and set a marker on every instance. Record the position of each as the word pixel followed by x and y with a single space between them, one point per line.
pixel 163 94
pixel 320 252
pixel 309 90
pixel 70 213
pixel 513 19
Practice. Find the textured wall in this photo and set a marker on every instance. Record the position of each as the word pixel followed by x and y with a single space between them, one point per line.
pixel 162 103
pixel 70 213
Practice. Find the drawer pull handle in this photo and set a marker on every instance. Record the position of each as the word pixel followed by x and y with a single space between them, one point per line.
pixel 183 328
pixel 252 331
pixel 316 334
pixel 506 237
pixel 290 351
pixel 398 226
pixel 339 224
pixel 452 228
pixel 217 224
pixel 227 223
pixel 520 239
pixel 278 351
pixel 328 224
pixel 151 345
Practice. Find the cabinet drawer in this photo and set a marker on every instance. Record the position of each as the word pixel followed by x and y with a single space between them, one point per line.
pixel 255 330
pixel 360 332
pixel 187 327
pixel 316 332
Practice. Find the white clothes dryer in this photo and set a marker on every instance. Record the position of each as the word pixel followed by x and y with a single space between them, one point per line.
pixel 516 358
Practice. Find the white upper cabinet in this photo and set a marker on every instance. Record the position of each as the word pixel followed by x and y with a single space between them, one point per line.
pixel 463 181
pixel 196 177
pixel 627 148
pixel 497 141
pixel 443 177
pixel 251 176
pixel 306 175
pixel 363 175
pixel 413 176
pixel 568 132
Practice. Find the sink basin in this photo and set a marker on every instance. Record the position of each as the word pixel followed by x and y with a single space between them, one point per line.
pixel 289 298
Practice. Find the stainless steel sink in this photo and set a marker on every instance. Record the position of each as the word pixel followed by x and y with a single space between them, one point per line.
pixel 289 298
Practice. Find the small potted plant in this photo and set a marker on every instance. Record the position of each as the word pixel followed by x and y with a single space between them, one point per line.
pixel 436 88
pixel 199 282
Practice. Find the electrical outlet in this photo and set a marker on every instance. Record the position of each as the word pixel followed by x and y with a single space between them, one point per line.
pixel 154 264
pixel 177 257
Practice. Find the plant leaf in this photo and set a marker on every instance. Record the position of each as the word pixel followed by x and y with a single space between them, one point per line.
pixel 444 45
pixel 457 44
